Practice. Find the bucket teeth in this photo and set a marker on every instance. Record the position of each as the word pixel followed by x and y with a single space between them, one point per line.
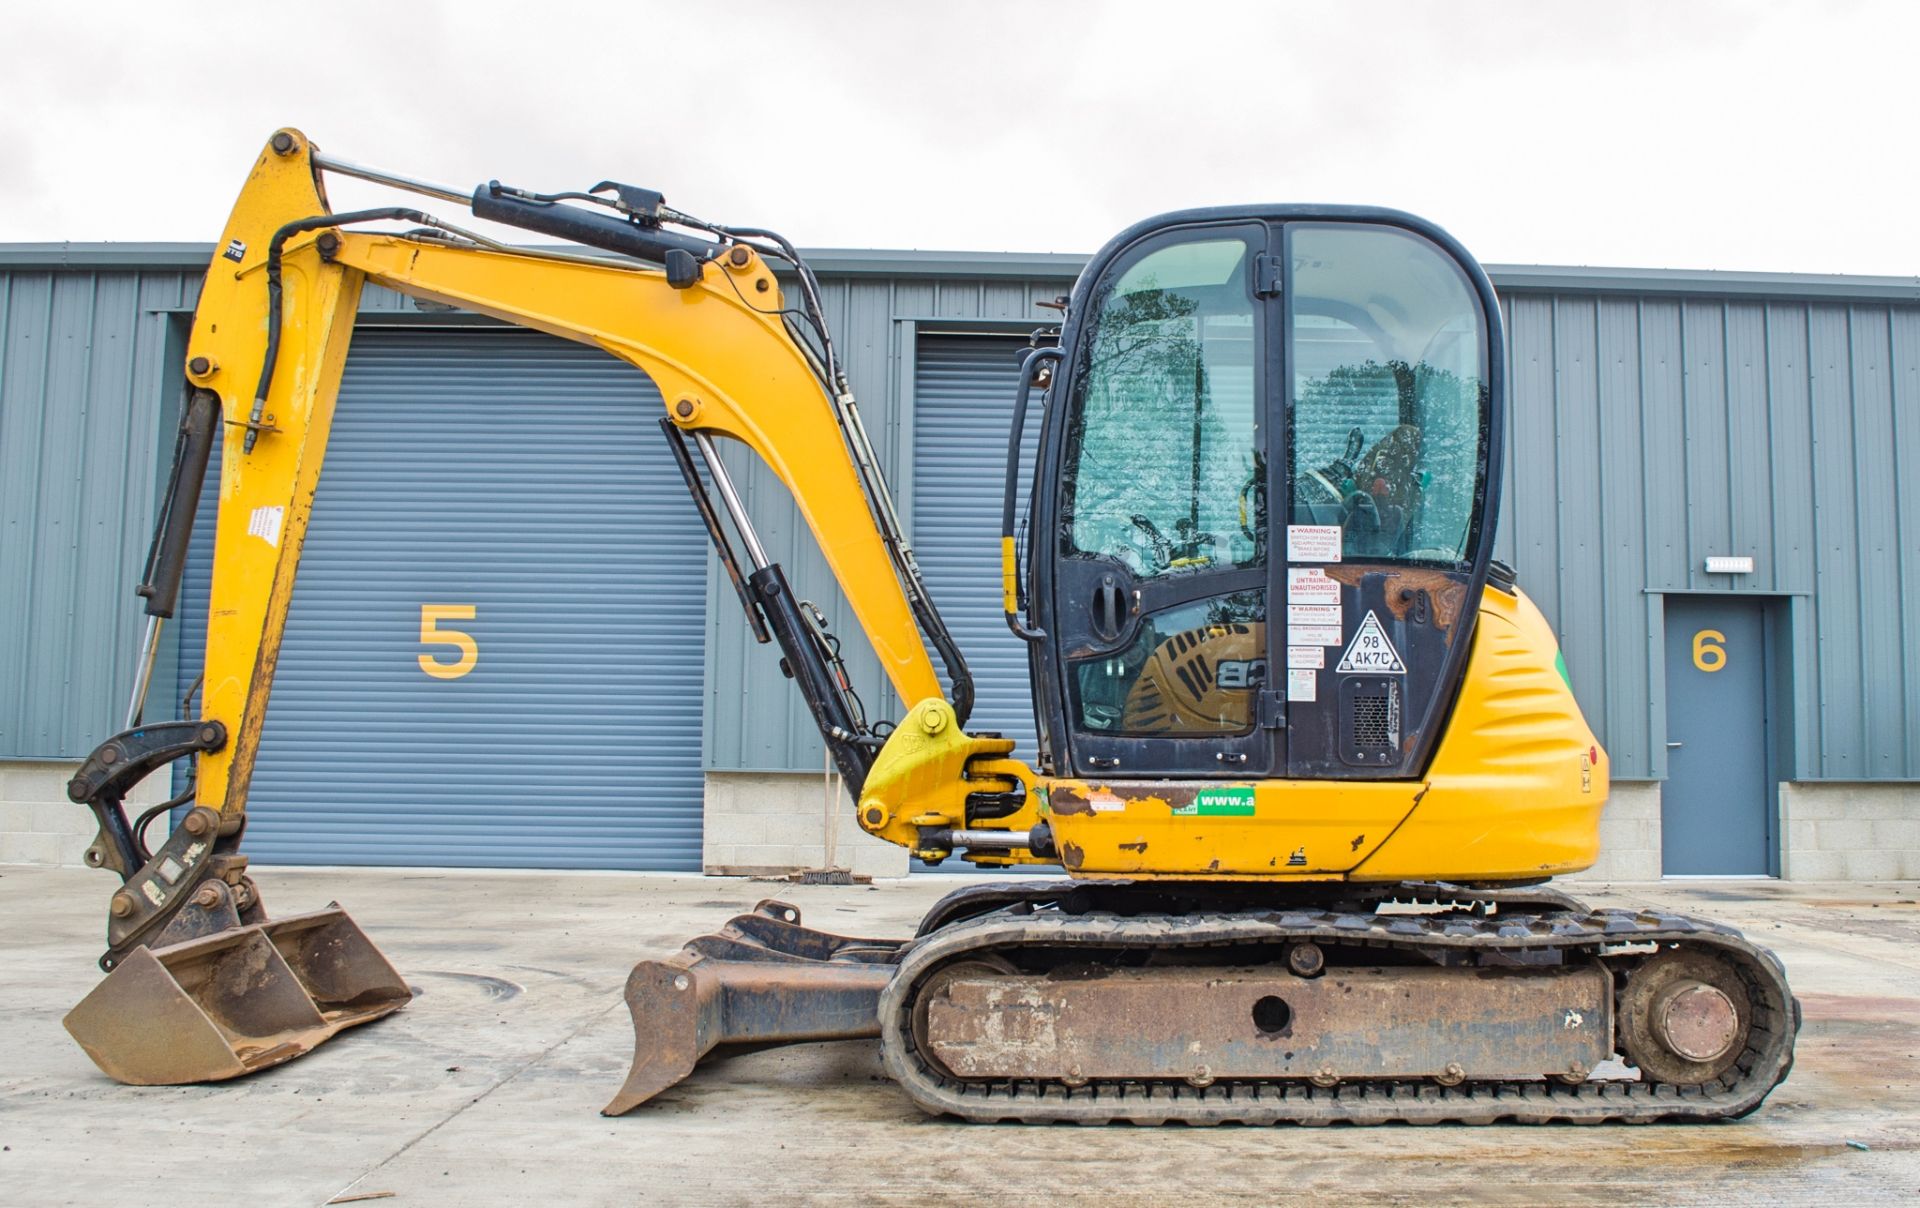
pixel 232 1003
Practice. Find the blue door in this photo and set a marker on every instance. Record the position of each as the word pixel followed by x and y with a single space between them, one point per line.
pixel 1717 807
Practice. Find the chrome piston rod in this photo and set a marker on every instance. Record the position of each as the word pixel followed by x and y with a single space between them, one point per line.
pixel 736 510
pixel 143 674
pixel 380 176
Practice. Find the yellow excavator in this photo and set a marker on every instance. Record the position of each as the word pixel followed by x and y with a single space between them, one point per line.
pixel 1307 753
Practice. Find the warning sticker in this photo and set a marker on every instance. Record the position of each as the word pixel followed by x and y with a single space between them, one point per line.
pixel 264 523
pixel 1370 652
pixel 1314 635
pixel 1313 543
pixel 1310 585
pixel 1302 685
pixel 1105 802
pixel 1314 614
pixel 1236 802
pixel 1310 657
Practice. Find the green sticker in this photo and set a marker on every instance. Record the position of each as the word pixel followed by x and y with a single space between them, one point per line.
pixel 1220 803
pixel 1046 802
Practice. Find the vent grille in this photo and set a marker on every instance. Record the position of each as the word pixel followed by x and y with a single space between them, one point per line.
pixel 1373 721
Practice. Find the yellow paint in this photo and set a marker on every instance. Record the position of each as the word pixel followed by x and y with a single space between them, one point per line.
pixel 432 633
pixel 253 578
pixel 1709 654
pixel 1009 579
pixel 1509 793
pixel 708 343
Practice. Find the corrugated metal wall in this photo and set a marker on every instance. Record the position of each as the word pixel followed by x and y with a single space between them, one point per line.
pixel 1647 431
pixel 755 720
pixel 82 413
pixel 1727 413
pixel 1650 431
pixel 964 387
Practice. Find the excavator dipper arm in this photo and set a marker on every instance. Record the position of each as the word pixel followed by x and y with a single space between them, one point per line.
pixel 710 326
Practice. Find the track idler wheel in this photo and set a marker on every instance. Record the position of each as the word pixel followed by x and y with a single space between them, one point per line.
pixel 1684 1018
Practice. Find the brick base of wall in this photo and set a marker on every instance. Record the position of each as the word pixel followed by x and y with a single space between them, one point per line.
pixel 761 823
pixel 1850 831
pixel 38 825
pixel 1629 835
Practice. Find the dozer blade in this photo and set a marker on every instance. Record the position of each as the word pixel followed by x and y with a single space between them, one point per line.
pixel 239 1001
pixel 761 982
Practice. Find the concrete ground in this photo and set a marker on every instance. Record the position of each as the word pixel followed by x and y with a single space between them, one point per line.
pixel 485 1090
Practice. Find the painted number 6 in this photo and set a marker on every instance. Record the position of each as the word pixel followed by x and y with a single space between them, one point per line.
pixel 432 633
pixel 1708 654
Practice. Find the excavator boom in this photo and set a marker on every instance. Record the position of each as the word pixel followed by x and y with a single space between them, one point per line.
pixel 709 324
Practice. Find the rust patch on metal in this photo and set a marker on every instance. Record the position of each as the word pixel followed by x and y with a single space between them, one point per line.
pixel 1072 855
pixel 1068 799
pixel 762 981
pixel 1136 847
pixel 241 1000
pixel 1446 594
pixel 1202 1023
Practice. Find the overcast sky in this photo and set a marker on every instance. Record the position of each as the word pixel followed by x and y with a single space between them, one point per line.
pixel 1681 135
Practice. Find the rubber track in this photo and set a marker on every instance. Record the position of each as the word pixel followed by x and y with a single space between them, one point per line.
pixel 1761 1066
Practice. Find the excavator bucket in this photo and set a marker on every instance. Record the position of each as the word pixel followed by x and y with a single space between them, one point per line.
pixel 235 1002
pixel 762 981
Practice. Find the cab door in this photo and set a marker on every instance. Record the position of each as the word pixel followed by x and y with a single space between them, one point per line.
pixel 1160 558
pixel 1342 364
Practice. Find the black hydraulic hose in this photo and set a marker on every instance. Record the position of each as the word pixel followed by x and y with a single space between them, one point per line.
pixel 919 600
pixel 274 248
pixel 145 820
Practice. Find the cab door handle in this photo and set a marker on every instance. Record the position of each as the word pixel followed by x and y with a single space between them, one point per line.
pixel 1108 608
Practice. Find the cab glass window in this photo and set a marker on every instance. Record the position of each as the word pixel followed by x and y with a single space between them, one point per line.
pixel 1387 346
pixel 1163 469
pixel 1193 671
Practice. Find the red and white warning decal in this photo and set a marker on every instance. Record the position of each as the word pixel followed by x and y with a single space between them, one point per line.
pixel 1310 585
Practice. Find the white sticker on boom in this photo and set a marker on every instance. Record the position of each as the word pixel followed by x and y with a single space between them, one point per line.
pixel 1314 614
pixel 1313 543
pixel 1370 652
pixel 1303 685
pixel 1314 635
pixel 1310 658
pixel 265 524
pixel 1310 585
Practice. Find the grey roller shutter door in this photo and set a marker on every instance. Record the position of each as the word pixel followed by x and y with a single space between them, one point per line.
pixel 526 477
pixel 962 409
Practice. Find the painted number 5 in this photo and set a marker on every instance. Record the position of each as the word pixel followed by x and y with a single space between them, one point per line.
pixel 433 633
pixel 1708 653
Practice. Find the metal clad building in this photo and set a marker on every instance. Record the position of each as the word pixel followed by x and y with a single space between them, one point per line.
pixel 1658 419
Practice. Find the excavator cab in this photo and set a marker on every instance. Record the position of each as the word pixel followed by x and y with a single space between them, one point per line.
pixel 1338 361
